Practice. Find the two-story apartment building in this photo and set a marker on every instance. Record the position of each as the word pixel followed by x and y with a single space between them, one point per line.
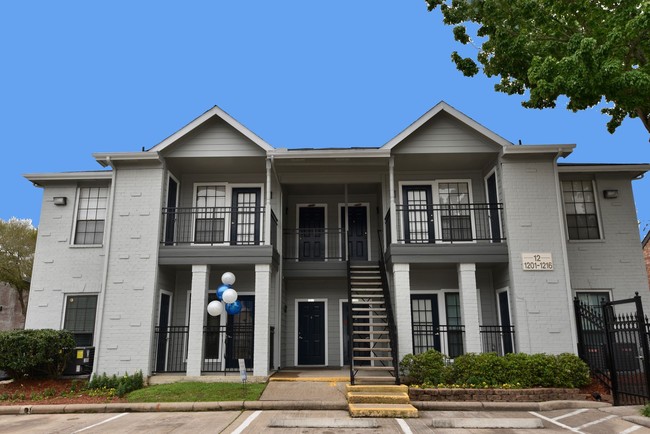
pixel 447 237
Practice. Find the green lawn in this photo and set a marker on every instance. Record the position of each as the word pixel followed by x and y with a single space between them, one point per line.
pixel 193 392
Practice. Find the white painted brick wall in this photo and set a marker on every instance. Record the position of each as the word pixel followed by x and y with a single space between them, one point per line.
pixel 402 308
pixel 59 267
pixel 129 304
pixel 540 305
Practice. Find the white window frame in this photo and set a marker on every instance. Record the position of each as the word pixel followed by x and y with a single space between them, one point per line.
pixel 594 186
pixel 76 216
pixel 442 313
pixel 227 200
pixel 368 242
pixel 295 329
pixel 65 309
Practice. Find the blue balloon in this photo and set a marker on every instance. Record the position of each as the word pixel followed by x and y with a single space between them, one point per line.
pixel 233 308
pixel 220 291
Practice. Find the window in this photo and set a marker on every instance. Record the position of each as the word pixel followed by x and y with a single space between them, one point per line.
pixel 454 324
pixel 80 318
pixel 580 209
pixel 593 299
pixel 424 322
pixel 91 215
pixel 211 213
pixel 455 217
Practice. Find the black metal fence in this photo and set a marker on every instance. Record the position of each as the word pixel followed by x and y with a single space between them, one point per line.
pixel 171 349
pixel 615 345
pixel 211 226
pixel 497 339
pixel 427 336
pixel 449 223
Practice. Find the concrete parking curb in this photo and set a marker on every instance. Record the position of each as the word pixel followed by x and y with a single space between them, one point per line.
pixel 142 407
pixel 504 406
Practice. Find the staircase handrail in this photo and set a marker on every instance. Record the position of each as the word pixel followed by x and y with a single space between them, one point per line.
pixel 350 321
pixel 392 332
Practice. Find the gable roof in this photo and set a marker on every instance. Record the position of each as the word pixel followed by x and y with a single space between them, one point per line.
pixel 218 112
pixel 446 108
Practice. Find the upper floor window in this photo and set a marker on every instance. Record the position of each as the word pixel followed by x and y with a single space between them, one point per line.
pixel 91 215
pixel 580 209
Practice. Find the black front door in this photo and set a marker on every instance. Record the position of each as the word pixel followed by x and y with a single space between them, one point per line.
pixel 239 334
pixel 418 214
pixel 358 232
pixel 495 221
pixel 245 219
pixel 163 332
pixel 311 233
pixel 311 333
pixel 170 215
pixel 504 312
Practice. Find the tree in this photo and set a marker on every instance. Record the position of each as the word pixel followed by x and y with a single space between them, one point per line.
pixel 17 245
pixel 586 50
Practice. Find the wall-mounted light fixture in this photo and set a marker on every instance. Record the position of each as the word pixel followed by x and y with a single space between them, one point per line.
pixel 610 194
pixel 60 201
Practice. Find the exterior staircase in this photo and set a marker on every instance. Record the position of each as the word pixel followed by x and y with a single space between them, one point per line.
pixel 379 401
pixel 372 335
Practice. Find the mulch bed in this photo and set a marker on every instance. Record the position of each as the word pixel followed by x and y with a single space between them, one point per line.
pixel 36 391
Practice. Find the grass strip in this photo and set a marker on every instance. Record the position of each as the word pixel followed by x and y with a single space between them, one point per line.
pixel 198 392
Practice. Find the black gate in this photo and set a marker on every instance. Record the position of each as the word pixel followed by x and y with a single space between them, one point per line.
pixel 615 346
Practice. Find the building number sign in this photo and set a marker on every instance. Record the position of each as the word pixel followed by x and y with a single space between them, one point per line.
pixel 537 261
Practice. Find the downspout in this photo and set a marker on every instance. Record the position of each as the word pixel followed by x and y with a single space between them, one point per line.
pixel 107 253
pixel 565 253
pixel 267 207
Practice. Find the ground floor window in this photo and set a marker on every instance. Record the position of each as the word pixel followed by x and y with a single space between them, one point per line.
pixel 593 299
pixel 428 333
pixel 80 311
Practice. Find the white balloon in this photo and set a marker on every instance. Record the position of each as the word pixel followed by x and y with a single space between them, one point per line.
pixel 215 308
pixel 228 278
pixel 229 296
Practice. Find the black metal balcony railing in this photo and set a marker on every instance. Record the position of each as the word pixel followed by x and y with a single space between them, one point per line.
pixel 316 244
pixel 241 226
pixel 497 339
pixel 427 336
pixel 171 348
pixel 421 224
pixel 448 339
pixel 225 345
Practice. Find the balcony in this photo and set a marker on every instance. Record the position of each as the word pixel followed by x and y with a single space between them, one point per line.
pixel 448 233
pixel 205 235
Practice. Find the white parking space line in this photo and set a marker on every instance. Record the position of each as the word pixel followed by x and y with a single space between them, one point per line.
pixel 560 424
pixel 405 428
pixel 596 422
pixel 101 423
pixel 573 413
pixel 247 422
pixel 630 429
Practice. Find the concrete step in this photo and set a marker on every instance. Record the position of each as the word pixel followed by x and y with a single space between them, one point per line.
pixel 378 398
pixel 383 410
pixel 374 380
pixel 369 388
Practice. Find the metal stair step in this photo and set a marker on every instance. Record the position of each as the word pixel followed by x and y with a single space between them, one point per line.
pixel 370 332
pixel 372 358
pixel 371 340
pixel 374 349
pixel 367 302
pixel 368 309
pixel 374 368
pixel 369 316
pixel 369 296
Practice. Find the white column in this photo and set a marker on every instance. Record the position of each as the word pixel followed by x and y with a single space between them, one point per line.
pixel 198 306
pixel 393 205
pixel 262 301
pixel 402 310
pixel 469 306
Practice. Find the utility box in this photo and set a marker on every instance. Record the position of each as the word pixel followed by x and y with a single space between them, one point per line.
pixel 81 361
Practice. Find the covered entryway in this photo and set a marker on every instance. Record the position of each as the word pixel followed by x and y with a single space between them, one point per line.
pixel 311 327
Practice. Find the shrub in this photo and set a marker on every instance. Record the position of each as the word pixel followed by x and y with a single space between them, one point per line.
pixel 35 352
pixel 427 367
pixel 645 411
pixel 511 370
pixel 122 385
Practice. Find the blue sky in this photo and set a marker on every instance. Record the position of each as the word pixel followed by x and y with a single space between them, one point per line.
pixel 79 77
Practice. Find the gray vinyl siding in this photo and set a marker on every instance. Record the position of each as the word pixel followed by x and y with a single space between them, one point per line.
pixel 215 138
pixel 331 289
pixel 444 134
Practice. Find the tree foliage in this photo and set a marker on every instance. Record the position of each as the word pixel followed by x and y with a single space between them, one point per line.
pixel 586 50
pixel 17 245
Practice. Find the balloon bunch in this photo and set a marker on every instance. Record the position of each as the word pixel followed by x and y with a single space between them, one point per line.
pixel 225 295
